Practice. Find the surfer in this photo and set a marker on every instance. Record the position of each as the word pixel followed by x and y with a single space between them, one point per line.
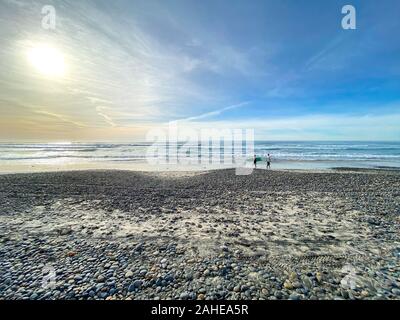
pixel 269 161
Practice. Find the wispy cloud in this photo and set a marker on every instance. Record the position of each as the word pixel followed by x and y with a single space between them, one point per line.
pixel 101 112
pixel 136 64
pixel 321 56
pixel 215 112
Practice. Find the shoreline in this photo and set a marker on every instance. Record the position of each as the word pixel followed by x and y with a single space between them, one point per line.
pixel 5 170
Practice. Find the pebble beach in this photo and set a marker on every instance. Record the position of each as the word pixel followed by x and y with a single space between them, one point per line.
pixel 212 235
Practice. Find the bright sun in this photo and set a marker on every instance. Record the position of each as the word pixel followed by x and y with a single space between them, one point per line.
pixel 47 60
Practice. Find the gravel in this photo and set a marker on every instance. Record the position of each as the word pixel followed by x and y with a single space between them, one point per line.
pixel 107 235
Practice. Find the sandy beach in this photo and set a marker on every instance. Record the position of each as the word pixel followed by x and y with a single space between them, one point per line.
pixel 200 235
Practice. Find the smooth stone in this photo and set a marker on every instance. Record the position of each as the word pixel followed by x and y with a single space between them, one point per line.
pixel 184 296
pixel 129 274
pixel 34 296
pixel 294 296
pixel 143 272
pixel 137 284
pixel 169 278
pixel 288 285
pixel 396 292
pixel 307 283
pixel 244 288
pixel 278 294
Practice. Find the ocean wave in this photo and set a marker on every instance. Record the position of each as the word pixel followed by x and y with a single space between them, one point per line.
pixel 296 151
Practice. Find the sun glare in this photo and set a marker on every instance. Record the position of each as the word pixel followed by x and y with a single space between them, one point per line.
pixel 47 61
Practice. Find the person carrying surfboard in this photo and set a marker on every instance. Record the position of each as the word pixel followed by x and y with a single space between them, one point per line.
pixel 257 159
pixel 269 161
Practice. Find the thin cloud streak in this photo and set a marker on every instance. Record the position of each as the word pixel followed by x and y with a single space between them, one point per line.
pixel 214 113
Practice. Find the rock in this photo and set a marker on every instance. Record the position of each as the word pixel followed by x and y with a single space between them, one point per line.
pixel 138 249
pixel 265 292
pixel 100 279
pixel 99 286
pixel 64 231
pixel 103 295
pixel 201 296
pixel 192 296
pixel 129 274
pixel 169 278
pixel 78 278
pixel 278 294
pixel 345 283
pixel 184 296
pixel 159 282
pixel 224 248
pixel 288 285
pixel 344 293
pixel 189 276
pixel 293 276
pixel 294 296
pixel 143 272
pixel 34 296
pixel 364 293
pixel 319 277
pixel 396 292
pixel 46 296
pixel 137 284
pixel 244 288
pixel 223 271
pixel 373 221
pixel 307 283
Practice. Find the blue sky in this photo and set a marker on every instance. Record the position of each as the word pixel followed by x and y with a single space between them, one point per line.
pixel 285 68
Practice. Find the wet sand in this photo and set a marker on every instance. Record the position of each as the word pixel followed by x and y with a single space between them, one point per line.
pixel 200 235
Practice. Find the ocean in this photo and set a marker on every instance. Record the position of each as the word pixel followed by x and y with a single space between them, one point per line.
pixel 284 154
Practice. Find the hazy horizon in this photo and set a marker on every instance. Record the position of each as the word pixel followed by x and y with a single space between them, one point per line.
pixel 187 141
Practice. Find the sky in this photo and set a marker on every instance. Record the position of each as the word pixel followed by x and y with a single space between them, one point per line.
pixel 286 69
